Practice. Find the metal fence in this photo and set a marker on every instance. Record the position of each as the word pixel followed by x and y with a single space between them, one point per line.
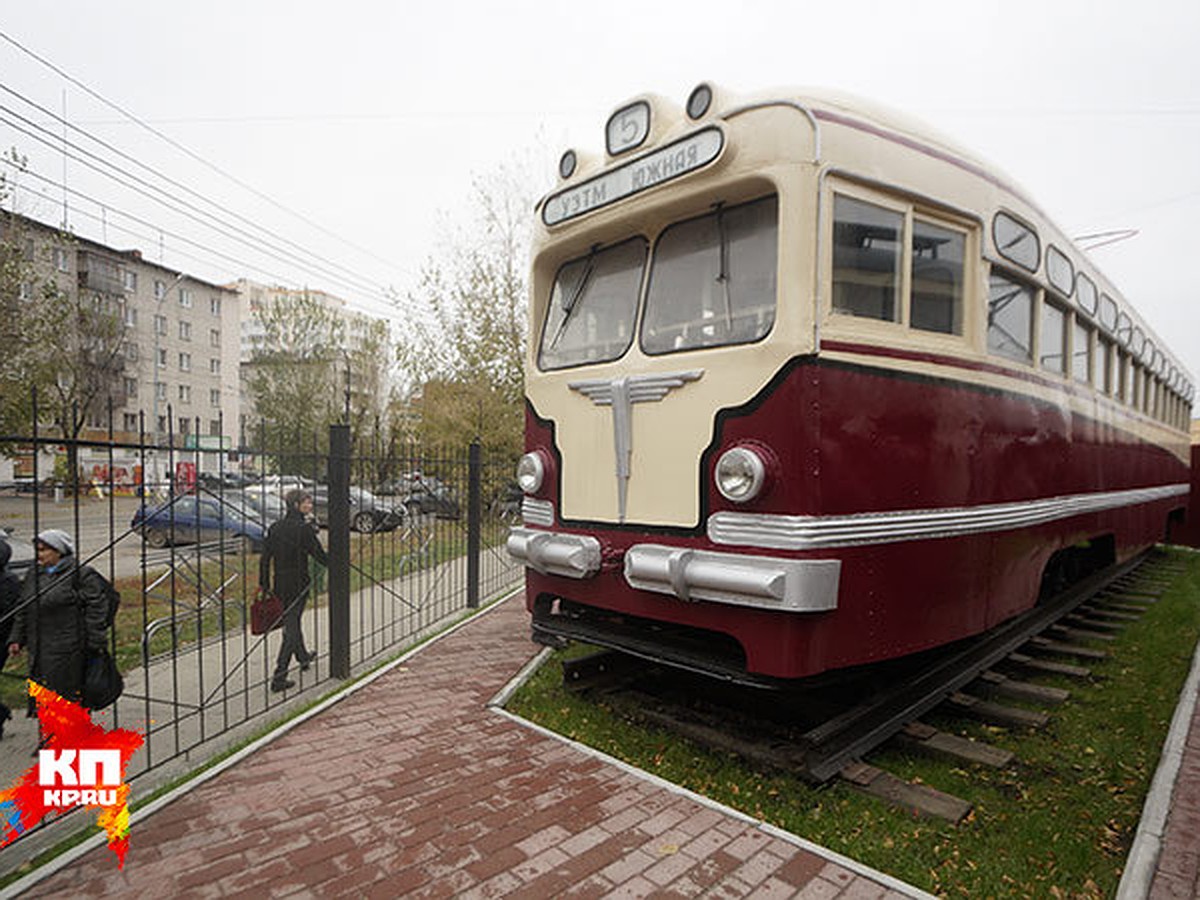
pixel 415 538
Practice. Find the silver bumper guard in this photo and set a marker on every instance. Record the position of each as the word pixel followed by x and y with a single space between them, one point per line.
pixel 789 585
pixel 766 582
pixel 571 555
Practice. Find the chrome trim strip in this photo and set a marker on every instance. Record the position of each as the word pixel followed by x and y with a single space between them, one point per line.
pixel 786 585
pixel 825 532
pixel 572 555
pixel 537 512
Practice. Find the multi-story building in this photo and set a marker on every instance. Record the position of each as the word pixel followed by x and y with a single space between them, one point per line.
pixel 173 373
pixel 353 329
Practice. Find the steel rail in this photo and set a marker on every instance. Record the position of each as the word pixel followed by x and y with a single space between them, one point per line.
pixel 829 747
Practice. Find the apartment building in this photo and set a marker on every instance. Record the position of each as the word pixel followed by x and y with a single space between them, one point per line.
pixel 175 371
pixel 353 331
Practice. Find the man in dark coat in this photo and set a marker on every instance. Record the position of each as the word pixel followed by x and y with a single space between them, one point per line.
pixel 61 615
pixel 289 544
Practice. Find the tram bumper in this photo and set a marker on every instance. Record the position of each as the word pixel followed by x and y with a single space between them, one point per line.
pixel 570 555
pixel 787 585
pixel 764 582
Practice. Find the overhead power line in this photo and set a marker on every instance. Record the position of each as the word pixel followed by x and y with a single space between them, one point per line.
pixel 212 252
pixel 194 156
pixel 166 178
pixel 189 210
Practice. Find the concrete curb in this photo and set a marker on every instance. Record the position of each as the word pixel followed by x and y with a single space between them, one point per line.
pixel 1141 865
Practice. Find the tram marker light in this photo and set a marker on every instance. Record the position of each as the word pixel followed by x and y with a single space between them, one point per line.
pixel 567 164
pixel 699 100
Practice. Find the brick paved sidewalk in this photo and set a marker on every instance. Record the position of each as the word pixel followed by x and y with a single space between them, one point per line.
pixel 411 787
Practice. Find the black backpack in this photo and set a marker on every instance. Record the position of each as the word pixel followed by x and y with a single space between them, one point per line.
pixel 111 596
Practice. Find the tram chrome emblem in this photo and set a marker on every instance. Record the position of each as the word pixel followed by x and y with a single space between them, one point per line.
pixel 621 394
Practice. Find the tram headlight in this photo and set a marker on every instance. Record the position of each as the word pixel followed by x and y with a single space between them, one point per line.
pixel 740 474
pixel 531 472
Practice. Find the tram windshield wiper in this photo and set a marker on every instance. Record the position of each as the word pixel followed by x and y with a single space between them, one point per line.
pixel 571 303
pixel 723 263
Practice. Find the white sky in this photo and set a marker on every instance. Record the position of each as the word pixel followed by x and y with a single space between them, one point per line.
pixel 371 118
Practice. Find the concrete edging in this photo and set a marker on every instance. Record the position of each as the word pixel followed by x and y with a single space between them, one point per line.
pixel 1141 864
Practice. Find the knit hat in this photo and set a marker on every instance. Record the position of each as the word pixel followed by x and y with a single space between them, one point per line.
pixel 57 539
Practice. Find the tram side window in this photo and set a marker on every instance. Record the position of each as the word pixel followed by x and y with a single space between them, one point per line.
pixel 937 278
pixel 1104 373
pixel 866 259
pixel 592 306
pixel 1053 350
pixel 1010 318
pixel 1081 353
pixel 712 281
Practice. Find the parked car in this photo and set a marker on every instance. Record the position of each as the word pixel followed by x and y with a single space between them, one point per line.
pixel 281 484
pixel 187 519
pixel 424 495
pixel 368 513
pixel 258 505
pixel 226 481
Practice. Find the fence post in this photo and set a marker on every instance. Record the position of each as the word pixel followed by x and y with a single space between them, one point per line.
pixel 474 516
pixel 339 551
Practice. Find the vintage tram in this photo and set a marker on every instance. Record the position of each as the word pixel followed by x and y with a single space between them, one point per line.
pixel 810 387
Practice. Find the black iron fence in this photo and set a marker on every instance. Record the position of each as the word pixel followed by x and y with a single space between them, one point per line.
pixel 415 537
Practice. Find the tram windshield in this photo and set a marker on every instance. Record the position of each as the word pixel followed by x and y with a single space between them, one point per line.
pixel 712 282
pixel 593 306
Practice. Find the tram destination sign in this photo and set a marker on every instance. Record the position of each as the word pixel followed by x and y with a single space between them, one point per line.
pixel 683 156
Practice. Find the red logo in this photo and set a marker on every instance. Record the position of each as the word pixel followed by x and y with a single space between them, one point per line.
pixel 80 764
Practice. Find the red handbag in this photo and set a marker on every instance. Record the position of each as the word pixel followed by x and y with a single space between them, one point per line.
pixel 266 612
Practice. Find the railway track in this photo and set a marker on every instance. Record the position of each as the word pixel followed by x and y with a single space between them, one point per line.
pixel 828 732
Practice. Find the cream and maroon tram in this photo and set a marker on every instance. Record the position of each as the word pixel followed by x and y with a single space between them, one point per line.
pixel 810 387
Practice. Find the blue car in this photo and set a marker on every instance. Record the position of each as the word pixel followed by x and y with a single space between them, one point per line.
pixel 188 520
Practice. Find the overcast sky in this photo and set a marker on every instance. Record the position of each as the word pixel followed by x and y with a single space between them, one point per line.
pixel 369 119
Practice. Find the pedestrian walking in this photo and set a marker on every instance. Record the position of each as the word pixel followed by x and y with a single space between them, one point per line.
pixel 62 613
pixel 289 545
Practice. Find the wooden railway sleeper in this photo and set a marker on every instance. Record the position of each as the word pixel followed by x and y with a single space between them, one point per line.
pixel 919 798
pixel 1047 667
pixel 1102 612
pixel 993 684
pixel 922 738
pixel 1090 622
pixel 1080 634
pixel 995 713
pixel 1060 648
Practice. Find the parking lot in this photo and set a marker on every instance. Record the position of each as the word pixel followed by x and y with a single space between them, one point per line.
pixel 100 528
